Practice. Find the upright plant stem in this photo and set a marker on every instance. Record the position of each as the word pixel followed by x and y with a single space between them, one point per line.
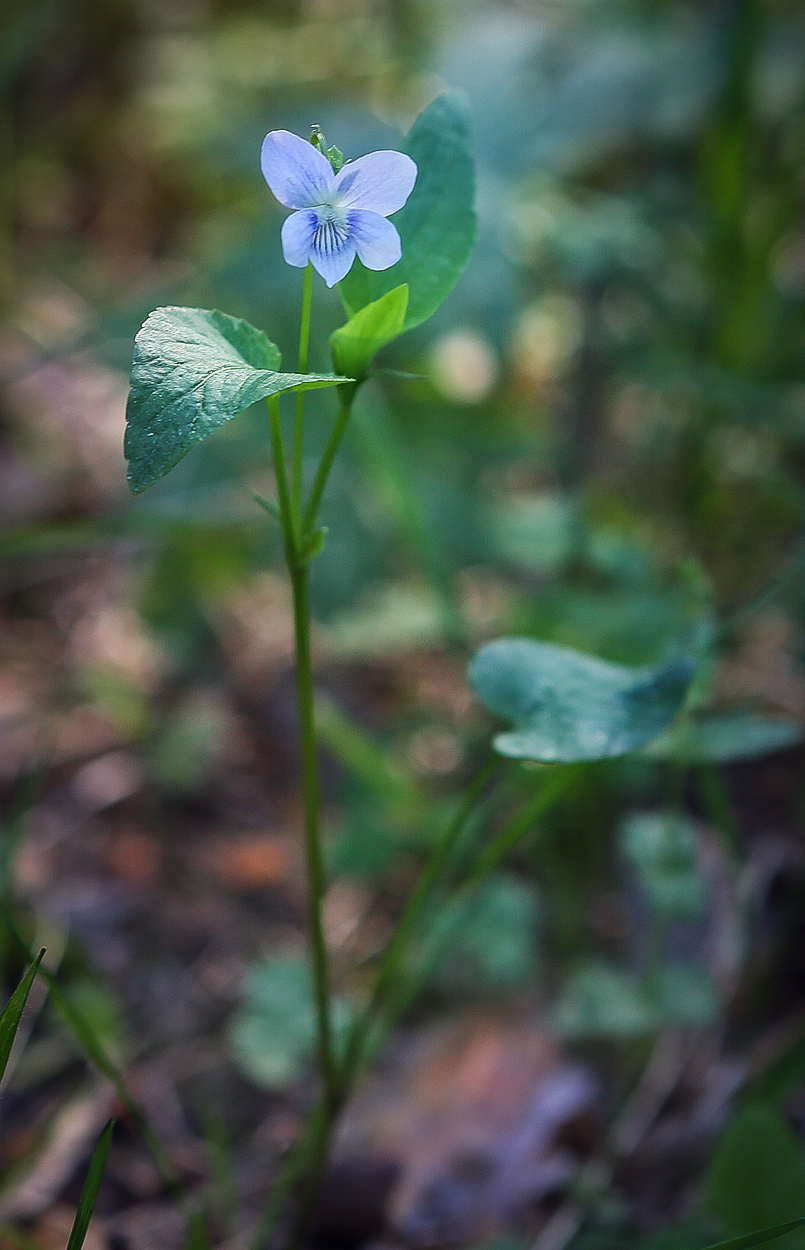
pixel 297 569
pixel 346 395
pixel 395 951
pixel 313 848
pixel 299 416
pixel 403 987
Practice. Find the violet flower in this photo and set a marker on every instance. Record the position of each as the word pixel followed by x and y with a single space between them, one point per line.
pixel 338 215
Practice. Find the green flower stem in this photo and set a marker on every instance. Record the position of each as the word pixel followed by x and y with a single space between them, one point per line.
pixel 307 1159
pixel 394 953
pixel 299 416
pixel 312 1176
pixel 346 397
pixel 558 781
pixel 290 533
pixel 313 847
pixel 298 571
pixel 407 985
pixel 296 1163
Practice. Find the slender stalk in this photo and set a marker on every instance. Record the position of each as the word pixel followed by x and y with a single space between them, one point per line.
pixel 307 1160
pixel 404 988
pixel 395 951
pixel 299 416
pixel 295 1164
pixel 313 1175
pixel 561 778
pixel 346 395
pixel 298 572
pixel 313 848
pixel 289 529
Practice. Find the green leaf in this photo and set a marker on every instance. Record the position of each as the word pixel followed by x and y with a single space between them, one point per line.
pixel 12 1012
pixel 436 225
pixel 567 706
pixel 371 328
pixel 193 371
pixel 274 1030
pixel 757 1175
pixel 89 1194
pixel 720 739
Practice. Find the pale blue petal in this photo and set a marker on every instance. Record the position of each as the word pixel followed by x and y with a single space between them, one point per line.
pixel 297 173
pixel 332 251
pixel 297 237
pixel 376 240
pixel 380 182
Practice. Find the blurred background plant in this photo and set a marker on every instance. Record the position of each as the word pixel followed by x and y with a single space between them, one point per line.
pixel 600 444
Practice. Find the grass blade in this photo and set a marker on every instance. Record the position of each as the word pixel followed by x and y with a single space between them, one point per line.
pixel 12 1012
pixel 747 1240
pixel 89 1194
pixel 95 1052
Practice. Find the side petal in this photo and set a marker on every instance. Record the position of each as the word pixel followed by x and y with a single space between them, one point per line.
pixel 332 251
pixel 297 237
pixel 376 240
pixel 298 174
pixel 379 181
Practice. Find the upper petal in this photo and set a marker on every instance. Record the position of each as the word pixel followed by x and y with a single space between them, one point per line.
pixel 379 181
pixel 298 231
pixel 377 241
pixel 298 174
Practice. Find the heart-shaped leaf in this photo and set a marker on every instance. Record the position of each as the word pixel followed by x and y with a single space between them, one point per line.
pixel 436 225
pixel 566 706
pixel 355 343
pixel 194 370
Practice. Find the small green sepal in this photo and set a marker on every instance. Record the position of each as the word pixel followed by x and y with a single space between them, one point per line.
pixel 334 155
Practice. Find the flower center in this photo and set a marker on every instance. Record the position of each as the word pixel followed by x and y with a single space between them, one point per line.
pixel 332 229
pixel 331 210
